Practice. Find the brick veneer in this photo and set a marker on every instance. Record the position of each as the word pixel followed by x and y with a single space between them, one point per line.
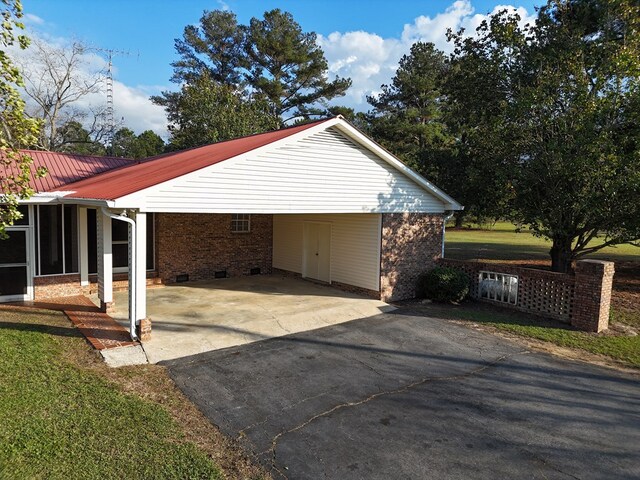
pixel 53 286
pixel 594 282
pixel 411 244
pixel 201 244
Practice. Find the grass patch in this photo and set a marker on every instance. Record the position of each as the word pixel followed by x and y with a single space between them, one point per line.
pixel 60 419
pixel 622 349
pixel 501 242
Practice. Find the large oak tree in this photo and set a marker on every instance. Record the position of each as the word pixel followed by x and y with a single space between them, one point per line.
pixel 556 105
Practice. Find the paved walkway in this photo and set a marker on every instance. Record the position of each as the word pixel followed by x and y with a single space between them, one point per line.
pixel 403 396
pixel 100 330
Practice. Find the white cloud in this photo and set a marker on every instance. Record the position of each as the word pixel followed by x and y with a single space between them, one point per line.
pixel 31 19
pixel 370 60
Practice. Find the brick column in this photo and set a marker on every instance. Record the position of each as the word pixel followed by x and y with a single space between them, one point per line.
pixel 143 330
pixel 592 297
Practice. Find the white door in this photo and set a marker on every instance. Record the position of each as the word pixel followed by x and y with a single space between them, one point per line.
pixel 317 251
pixel 15 272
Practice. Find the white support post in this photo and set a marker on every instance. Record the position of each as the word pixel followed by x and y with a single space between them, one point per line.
pixel 84 246
pixel 105 261
pixel 141 267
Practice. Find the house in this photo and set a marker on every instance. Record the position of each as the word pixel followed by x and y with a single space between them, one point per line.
pixel 319 200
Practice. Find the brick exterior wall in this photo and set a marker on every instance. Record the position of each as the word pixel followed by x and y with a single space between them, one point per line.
pixel 201 244
pixel 594 282
pixel 53 286
pixel 411 244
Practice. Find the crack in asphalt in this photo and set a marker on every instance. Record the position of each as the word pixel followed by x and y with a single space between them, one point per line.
pixel 405 388
pixel 243 432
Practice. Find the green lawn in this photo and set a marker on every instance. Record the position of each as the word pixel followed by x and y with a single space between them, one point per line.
pixel 60 421
pixel 501 242
pixel 623 349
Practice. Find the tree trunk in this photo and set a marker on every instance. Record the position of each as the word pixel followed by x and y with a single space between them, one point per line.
pixel 561 255
pixel 459 216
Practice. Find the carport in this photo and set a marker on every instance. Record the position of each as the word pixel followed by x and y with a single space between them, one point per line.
pixel 319 201
pixel 196 317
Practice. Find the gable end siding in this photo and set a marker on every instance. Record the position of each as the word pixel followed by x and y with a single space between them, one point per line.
pixel 323 173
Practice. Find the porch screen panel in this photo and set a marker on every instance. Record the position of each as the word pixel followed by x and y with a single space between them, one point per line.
pixel 118 234
pixel 71 238
pixel 49 229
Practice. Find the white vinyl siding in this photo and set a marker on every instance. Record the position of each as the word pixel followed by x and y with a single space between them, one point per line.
pixel 355 246
pixel 325 172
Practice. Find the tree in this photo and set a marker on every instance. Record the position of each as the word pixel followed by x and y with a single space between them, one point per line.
pixel 72 137
pixel 561 114
pixel 126 144
pixel 206 112
pixel 149 144
pixel 214 47
pixel 16 129
pixel 288 67
pixel 56 80
pixel 271 61
pixel 409 119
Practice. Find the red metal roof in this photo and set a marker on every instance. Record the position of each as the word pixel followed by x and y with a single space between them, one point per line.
pixel 66 168
pixel 155 170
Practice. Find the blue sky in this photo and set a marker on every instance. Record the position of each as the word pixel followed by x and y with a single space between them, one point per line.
pixel 362 39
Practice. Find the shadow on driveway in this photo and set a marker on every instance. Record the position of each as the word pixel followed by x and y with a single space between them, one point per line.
pixel 405 396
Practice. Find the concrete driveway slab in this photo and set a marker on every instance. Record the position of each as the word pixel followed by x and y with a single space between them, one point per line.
pixel 404 396
pixel 197 317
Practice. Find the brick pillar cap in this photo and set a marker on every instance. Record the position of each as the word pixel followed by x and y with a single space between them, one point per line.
pixel 595 266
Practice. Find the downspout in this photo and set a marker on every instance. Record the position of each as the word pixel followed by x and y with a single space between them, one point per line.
pixel 448 214
pixel 132 271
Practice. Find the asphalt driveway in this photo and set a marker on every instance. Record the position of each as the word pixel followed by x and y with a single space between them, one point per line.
pixel 399 395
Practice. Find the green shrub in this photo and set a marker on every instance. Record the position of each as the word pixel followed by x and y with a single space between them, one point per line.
pixel 443 284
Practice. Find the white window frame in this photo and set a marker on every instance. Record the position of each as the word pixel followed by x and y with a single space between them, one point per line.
pixel 240 223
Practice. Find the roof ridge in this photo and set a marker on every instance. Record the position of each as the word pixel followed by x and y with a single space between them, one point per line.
pixel 166 154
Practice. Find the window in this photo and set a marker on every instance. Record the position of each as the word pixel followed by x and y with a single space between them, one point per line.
pixel 57 239
pixel 240 223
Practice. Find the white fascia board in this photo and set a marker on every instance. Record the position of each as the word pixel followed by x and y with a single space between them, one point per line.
pixel 88 202
pixel 362 139
pixel 138 198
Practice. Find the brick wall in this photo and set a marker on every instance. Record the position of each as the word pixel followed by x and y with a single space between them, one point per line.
pixel 53 286
pixel 201 244
pixel 411 245
pixel 582 299
pixel 540 292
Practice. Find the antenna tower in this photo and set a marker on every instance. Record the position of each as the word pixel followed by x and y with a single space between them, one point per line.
pixel 110 52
